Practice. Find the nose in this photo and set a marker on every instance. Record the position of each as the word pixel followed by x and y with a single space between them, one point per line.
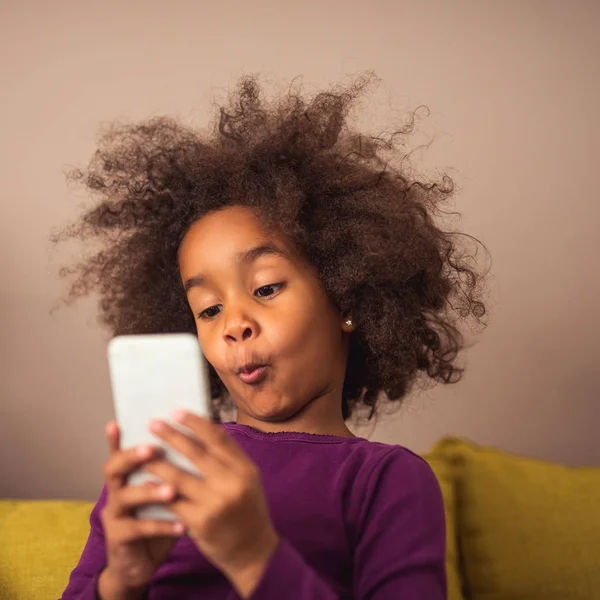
pixel 239 327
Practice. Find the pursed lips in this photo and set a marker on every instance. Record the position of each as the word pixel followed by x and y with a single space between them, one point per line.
pixel 253 373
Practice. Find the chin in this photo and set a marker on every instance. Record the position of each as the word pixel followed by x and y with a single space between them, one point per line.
pixel 268 408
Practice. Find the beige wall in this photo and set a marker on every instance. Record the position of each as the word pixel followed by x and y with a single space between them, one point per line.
pixel 514 92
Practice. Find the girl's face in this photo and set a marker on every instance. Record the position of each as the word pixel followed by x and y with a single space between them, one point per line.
pixel 265 324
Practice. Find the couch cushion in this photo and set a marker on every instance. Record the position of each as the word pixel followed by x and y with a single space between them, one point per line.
pixel 527 528
pixel 443 470
pixel 41 543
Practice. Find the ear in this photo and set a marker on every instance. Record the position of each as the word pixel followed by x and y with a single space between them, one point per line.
pixel 348 323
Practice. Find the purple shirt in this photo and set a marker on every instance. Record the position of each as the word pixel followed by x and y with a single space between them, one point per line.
pixel 357 519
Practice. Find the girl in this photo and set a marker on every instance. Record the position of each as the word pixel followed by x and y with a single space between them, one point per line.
pixel 319 287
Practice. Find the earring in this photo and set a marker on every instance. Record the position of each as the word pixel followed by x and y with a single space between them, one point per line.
pixel 349 322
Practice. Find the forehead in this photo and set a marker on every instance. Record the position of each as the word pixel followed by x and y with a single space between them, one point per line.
pixel 221 235
pixel 233 223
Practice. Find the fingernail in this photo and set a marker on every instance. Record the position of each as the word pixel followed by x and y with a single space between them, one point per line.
pixel 179 415
pixel 156 425
pixel 144 451
pixel 165 491
pixel 178 527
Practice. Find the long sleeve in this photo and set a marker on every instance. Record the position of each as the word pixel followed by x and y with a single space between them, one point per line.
pixel 400 543
pixel 83 580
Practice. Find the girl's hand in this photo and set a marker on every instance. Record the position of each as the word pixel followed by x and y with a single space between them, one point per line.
pixel 134 547
pixel 225 512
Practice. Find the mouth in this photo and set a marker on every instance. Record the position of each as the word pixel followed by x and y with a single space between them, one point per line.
pixel 253 373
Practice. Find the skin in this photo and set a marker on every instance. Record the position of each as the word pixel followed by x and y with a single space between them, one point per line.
pixel 268 308
pixel 134 548
pixel 294 327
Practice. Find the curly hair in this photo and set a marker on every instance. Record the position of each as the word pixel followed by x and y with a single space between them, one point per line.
pixel 368 228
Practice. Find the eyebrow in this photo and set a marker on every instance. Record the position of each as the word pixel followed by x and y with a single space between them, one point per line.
pixel 246 257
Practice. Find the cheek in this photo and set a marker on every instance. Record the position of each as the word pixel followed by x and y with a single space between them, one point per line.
pixel 210 350
pixel 305 331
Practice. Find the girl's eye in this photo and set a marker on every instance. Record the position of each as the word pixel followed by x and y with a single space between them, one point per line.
pixel 268 290
pixel 265 291
pixel 209 313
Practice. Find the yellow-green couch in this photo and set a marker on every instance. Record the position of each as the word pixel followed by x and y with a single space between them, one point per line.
pixel 518 529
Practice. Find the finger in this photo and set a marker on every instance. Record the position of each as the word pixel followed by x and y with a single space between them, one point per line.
pixel 208 464
pixel 215 438
pixel 185 484
pixel 122 462
pixel 132 529
pixel 187 511
pixel 124 500
pixel 113 435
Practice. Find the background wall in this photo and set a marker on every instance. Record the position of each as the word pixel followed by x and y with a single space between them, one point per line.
pixel 514 92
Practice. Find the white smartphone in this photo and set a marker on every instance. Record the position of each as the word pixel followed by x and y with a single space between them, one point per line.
pixel 151 376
